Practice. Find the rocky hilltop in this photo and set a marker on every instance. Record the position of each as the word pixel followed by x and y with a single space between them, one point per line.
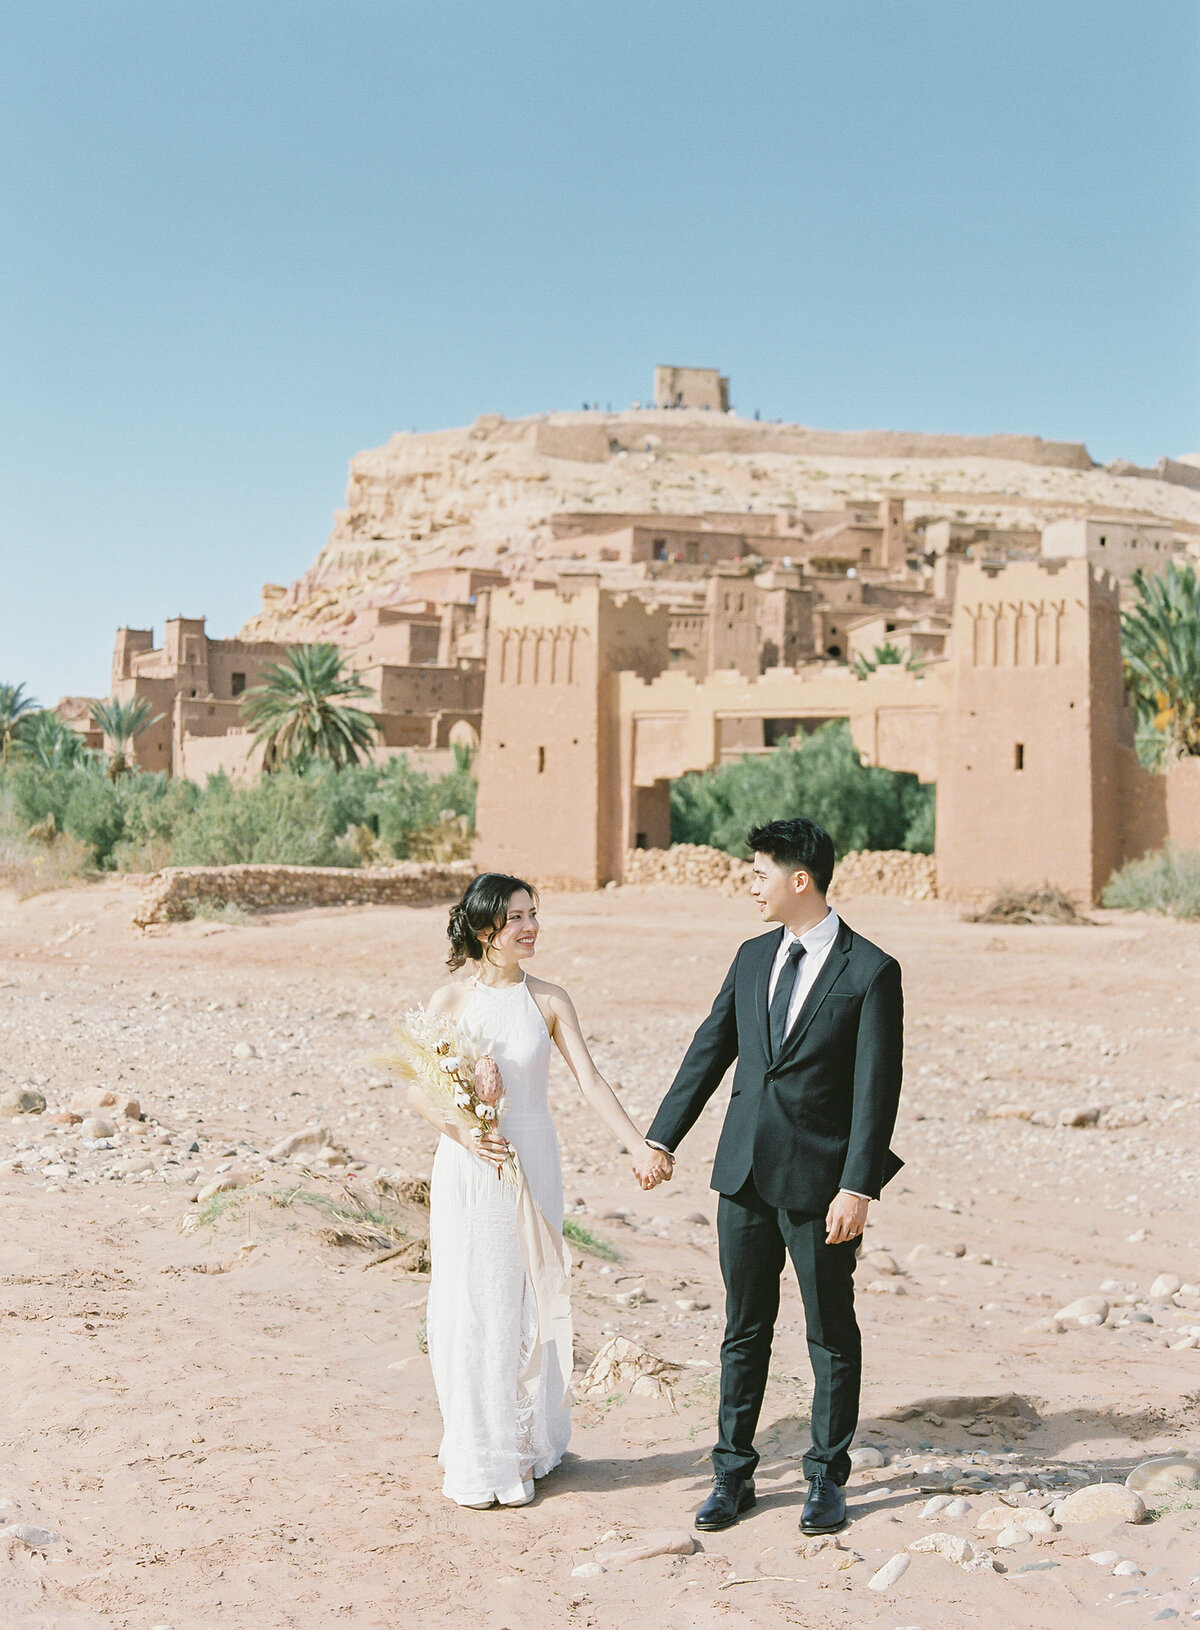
pixel 485 494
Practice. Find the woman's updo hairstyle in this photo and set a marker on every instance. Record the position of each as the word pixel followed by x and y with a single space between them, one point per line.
pixel 483 907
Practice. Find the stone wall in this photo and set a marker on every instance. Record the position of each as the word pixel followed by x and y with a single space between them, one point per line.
pixel 893 872
pixel 173 894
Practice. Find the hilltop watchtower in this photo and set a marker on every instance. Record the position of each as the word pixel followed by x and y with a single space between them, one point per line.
pixel 691 388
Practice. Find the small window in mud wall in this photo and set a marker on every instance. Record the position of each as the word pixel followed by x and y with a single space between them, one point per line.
pixel 237 683
pixel 541 760
pixel 1019 756
pixel 660 548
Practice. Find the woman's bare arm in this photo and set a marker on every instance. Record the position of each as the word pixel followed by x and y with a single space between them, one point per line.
pixel 650 1166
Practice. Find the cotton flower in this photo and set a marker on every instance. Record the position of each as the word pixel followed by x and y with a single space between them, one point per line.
pixel 451 1064
pixel 486 1112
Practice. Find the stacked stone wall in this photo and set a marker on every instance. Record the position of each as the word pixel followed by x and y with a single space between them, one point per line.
pixel 892 872
pixel 172 895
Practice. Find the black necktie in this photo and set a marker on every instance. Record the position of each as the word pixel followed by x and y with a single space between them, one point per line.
pixel 782 999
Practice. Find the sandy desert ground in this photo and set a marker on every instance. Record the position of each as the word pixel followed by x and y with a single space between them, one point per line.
pixel 228 1423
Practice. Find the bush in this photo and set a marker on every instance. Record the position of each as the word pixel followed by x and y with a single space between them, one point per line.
pixel 1167 881
pixel 822 776
pixel 141 822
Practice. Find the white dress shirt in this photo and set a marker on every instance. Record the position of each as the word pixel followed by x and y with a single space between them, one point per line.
pixel 817 942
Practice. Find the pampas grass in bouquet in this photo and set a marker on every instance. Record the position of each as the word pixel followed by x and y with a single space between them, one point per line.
pixel 440 1060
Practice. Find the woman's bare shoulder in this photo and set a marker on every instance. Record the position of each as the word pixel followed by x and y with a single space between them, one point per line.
pixel 543 988
pixel 450 998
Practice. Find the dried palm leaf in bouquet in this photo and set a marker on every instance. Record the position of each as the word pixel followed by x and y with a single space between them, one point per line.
pixel 439 1059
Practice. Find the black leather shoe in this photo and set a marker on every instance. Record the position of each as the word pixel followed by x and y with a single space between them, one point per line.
pixel 731 1495
pixel 825 1509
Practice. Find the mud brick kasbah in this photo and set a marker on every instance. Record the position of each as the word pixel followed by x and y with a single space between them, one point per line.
pixel 601 602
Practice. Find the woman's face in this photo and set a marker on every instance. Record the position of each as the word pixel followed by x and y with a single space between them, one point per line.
pixel 516 938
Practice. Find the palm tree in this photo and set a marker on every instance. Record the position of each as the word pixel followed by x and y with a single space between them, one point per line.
pixel 122 723
pixel 1160 642
pixel 299 714
pixel 15 705
pixel 886 656
pixel 48 743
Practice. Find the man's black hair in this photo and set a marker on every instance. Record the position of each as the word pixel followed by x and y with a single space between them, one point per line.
pixel 797 845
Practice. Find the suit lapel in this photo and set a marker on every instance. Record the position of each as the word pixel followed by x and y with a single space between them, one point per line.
pixel 831 971
pixel 771 944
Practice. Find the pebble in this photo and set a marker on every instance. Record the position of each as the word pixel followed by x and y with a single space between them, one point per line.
pixel 16 1101
pixel 95 1127
pixel 308 1137
pixel 958 1507
pixel 698 1218
pixel 867 1459
pixel 882 1262
pixel 28 1534
pixel 1100 1502
pixel 957 1550
pixel 1165 1473
pixel 588 1570
pixel 1104 1559
pixel 1165 1286
pixel 886 1287
pixel 245 1049
pixel 884 1578
pixel 688 1305
pixel 1012 1534
pixel 1081 1307
pixel 1127 1569
pixel 936 1507
pixel 667 1542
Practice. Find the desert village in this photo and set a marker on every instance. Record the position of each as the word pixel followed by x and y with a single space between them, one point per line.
pixel 216 1264
pixel 599 603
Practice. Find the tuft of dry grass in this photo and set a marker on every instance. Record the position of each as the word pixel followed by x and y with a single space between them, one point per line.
pixel 1032 908
pixel 29 867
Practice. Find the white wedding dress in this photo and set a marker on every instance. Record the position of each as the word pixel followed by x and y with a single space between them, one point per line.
pixel 482 1318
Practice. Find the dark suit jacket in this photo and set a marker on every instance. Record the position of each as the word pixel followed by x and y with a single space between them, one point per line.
pixel 819 1116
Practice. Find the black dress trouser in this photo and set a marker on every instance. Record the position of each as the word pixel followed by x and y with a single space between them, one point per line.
pixel 755 1238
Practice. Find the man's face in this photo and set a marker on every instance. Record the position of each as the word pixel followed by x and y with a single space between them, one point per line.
pixel 774 886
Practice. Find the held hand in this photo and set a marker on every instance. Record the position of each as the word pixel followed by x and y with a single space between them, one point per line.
pixel 489 1146
pixel 846 1218
pixel 652 1166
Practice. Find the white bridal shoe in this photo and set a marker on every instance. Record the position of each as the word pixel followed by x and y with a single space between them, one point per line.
pixel 527 1492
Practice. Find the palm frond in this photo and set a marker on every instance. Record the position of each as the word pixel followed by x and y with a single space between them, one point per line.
pixel 299 712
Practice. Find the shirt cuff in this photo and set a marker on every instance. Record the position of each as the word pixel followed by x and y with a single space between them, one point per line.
pixel 660 1146
pixel 855 1193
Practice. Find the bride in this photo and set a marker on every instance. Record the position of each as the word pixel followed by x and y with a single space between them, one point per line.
pixel 499 1435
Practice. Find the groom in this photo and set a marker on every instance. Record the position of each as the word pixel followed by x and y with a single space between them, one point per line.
pixel 813 1014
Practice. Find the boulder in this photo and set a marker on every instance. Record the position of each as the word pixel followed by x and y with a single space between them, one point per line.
pixel 957 1550
pixel 1101 1502
pixel 1165 1473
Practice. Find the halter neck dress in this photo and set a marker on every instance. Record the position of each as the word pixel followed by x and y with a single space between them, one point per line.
pixel 482 1318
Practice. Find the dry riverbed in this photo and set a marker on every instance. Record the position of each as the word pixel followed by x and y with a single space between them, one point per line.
pixel 218 1417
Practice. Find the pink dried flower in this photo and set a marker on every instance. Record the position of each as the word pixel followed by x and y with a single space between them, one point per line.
pixel 489 1086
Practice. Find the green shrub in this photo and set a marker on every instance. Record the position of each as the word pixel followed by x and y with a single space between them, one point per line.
pixel 1167 881
pixel 321 817
pixel 822 776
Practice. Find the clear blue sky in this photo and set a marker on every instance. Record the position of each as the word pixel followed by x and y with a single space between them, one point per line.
pixel 241 241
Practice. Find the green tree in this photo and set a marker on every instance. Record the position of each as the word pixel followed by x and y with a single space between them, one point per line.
pixel 46 742
pixel 1160 640
pixel 15 705
pixel 886 656
pixel 122 723
pixel 822 776
pixel 299 712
